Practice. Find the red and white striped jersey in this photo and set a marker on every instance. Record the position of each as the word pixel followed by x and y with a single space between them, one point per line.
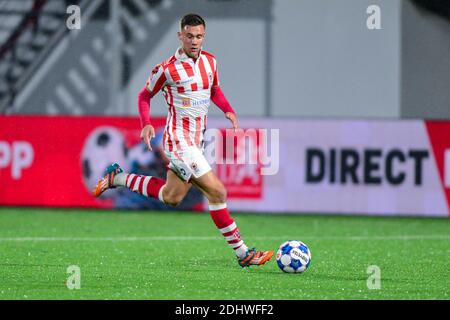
pixel 186 85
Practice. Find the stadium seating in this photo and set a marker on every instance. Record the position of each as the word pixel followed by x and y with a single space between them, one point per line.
pixel 27 30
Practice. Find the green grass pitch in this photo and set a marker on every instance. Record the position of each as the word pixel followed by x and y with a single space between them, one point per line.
pixel 167 255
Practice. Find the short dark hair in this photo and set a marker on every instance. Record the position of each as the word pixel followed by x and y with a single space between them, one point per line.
pixel 192 19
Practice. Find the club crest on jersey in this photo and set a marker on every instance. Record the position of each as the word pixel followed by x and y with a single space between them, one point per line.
pixel 185 102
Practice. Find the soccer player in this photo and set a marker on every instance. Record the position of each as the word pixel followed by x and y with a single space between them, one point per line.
pixel 188 80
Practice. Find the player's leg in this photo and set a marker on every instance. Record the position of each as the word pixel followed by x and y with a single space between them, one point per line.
pixel 170 191
pixel 215 192
pixel 175 189
pixel 115 177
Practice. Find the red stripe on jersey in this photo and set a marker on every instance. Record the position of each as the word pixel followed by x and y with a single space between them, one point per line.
pixel 159 83
pixel 180 89
pixel 133 181
pixel 198 121
pixel 204 75
pixel 141 184
pixel 187 67
pixel 215 80
pixel 194 87
pixel 186 130
pixel 174 72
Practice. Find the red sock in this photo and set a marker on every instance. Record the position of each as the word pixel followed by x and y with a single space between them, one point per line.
pixel 146 185
pixel 227 226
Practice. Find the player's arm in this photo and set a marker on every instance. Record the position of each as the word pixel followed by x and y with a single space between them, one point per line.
pixel 153 85
pixel 219 99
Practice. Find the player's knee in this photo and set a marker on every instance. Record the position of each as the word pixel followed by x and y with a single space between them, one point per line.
pixel 218 195
pixel 173 199
pixel 172 202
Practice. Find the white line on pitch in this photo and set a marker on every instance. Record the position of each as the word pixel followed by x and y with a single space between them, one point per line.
pixel 200 238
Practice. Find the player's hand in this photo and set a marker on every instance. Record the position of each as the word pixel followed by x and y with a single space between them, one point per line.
pixel 147 134
pixel 233 119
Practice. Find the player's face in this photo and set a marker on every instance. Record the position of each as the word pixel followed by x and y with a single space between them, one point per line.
pixel 191 38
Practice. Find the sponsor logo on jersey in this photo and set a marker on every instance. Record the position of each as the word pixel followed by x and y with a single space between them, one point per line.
pixel 185 102
pixel 202 102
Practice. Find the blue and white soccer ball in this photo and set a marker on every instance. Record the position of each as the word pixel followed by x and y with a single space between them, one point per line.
pixel 293 257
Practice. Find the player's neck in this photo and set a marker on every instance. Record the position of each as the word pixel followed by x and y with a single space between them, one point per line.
pixel 193 58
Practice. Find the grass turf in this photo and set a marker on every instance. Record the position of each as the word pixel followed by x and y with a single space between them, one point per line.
pixel 167 255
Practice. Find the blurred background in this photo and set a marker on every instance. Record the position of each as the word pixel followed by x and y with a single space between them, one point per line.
pixel 358 89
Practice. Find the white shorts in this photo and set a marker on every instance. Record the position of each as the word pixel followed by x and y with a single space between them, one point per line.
pixel 188 162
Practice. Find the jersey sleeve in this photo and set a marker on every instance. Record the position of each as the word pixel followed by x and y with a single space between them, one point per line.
pixel 157 80
pixel 216 75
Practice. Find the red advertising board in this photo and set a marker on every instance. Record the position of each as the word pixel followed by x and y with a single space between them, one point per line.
pixel 41 158
pixel 439 135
